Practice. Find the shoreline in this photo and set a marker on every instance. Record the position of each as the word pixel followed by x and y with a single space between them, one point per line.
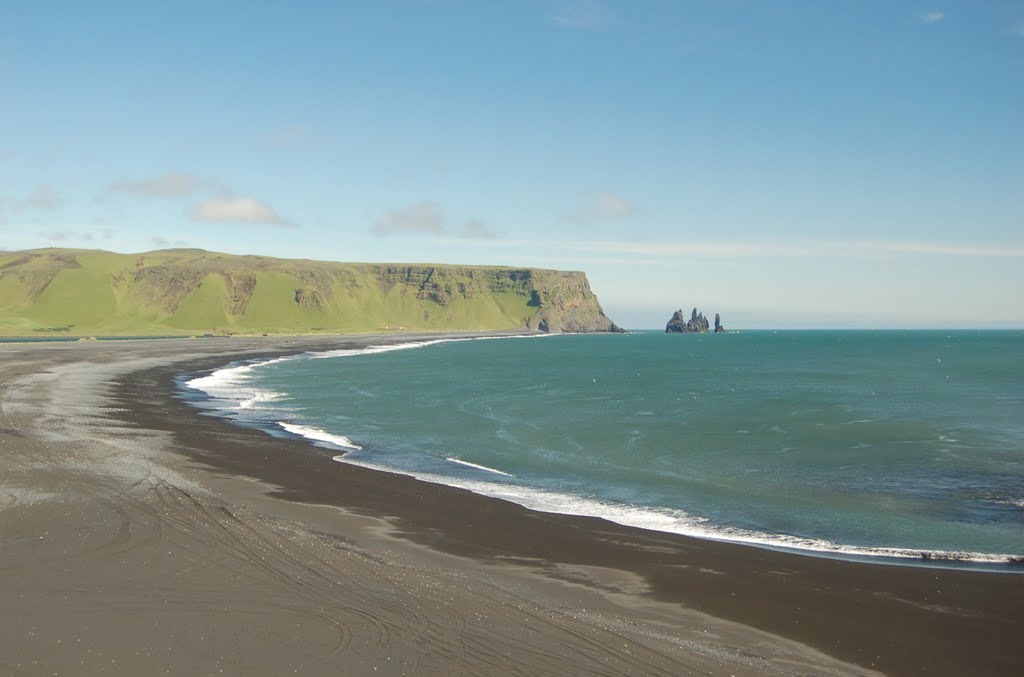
pixel 205 400
pixel 663 586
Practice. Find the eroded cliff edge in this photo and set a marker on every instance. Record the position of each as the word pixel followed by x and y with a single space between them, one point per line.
pixel 189 291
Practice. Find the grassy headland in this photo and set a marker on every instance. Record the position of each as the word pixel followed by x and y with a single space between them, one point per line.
pixel 79 292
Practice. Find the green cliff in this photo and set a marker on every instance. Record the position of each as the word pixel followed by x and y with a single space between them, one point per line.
pixel 190 291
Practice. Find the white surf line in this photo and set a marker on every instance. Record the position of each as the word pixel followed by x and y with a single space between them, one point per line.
pixel 226 383
pixel 319 435
pixel 232 375
pixel 392 347
pixel 673 521
pixel 478 466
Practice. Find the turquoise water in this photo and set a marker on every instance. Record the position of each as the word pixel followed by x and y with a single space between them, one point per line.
pixel 850 443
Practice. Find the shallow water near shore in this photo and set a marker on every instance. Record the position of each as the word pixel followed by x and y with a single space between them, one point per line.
pixel 878 444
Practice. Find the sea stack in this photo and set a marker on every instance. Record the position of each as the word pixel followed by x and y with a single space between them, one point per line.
pixel 697 324
pixel 676 325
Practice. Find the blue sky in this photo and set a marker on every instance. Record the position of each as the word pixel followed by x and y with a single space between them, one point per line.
pixel 850 163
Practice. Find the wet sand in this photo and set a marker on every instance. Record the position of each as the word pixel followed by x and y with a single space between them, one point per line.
pixel 139 537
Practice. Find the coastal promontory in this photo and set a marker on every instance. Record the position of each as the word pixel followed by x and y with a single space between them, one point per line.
pixel 80 292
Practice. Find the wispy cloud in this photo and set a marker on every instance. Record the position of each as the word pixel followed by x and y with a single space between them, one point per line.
pixel 163 243
pixel 1018 30
pixel 34 234
pixel 420 219
pixel 660 251
pixel 677 250
pixel 932 17
pixel 582 15
pixel 799 250
pixel 237 210
pixel 477 230
pixel 72 233
pixel 175 184
pixel 426 219
pixel 44 198
pixel 603 206
pixel 292 136
pixel 943 249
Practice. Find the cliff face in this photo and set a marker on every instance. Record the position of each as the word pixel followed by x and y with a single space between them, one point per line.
pixel 565 303
pixel 86 292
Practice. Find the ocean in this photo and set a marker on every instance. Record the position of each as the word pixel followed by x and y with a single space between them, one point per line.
pixel 895 446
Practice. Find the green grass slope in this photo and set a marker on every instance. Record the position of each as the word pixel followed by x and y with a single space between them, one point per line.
pixel 189 291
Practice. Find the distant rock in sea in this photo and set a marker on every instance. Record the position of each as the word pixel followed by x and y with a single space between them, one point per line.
pixel 676 325
pixel 697 324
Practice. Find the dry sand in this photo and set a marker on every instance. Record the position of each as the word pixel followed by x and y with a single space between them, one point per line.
pixel 138 537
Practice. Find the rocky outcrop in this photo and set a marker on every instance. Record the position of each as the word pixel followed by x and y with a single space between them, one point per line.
pixel 556 301
pixel 697 324
pixel 566 304
pixel 309 298
pixel 676 325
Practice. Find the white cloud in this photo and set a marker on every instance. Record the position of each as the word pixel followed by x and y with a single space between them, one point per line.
pixel 1018 30
pixel 653 252
pixel 163 243
pixel 702 249
pixel 582 15
pixel 291 136
pixel 81 233
pixel 610 205
pixel 477 230
pixel 425 218
pixel 944 249
pixel 932 17
pixel 604 206
pixel 421 219
pixel 237 210
pixel 44 197
pixel 175 184
pixel 814 249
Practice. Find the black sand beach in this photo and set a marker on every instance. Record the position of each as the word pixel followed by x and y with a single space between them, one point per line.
pixel 139 537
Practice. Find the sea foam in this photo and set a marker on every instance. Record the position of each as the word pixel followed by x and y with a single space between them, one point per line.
pixel 231 392
pixel 671 520
pixel 452 459
pixel 319 435
pixel 229 387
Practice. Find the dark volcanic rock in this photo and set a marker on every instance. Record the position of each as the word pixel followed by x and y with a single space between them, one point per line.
pixel 697 324
pixel 677 325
